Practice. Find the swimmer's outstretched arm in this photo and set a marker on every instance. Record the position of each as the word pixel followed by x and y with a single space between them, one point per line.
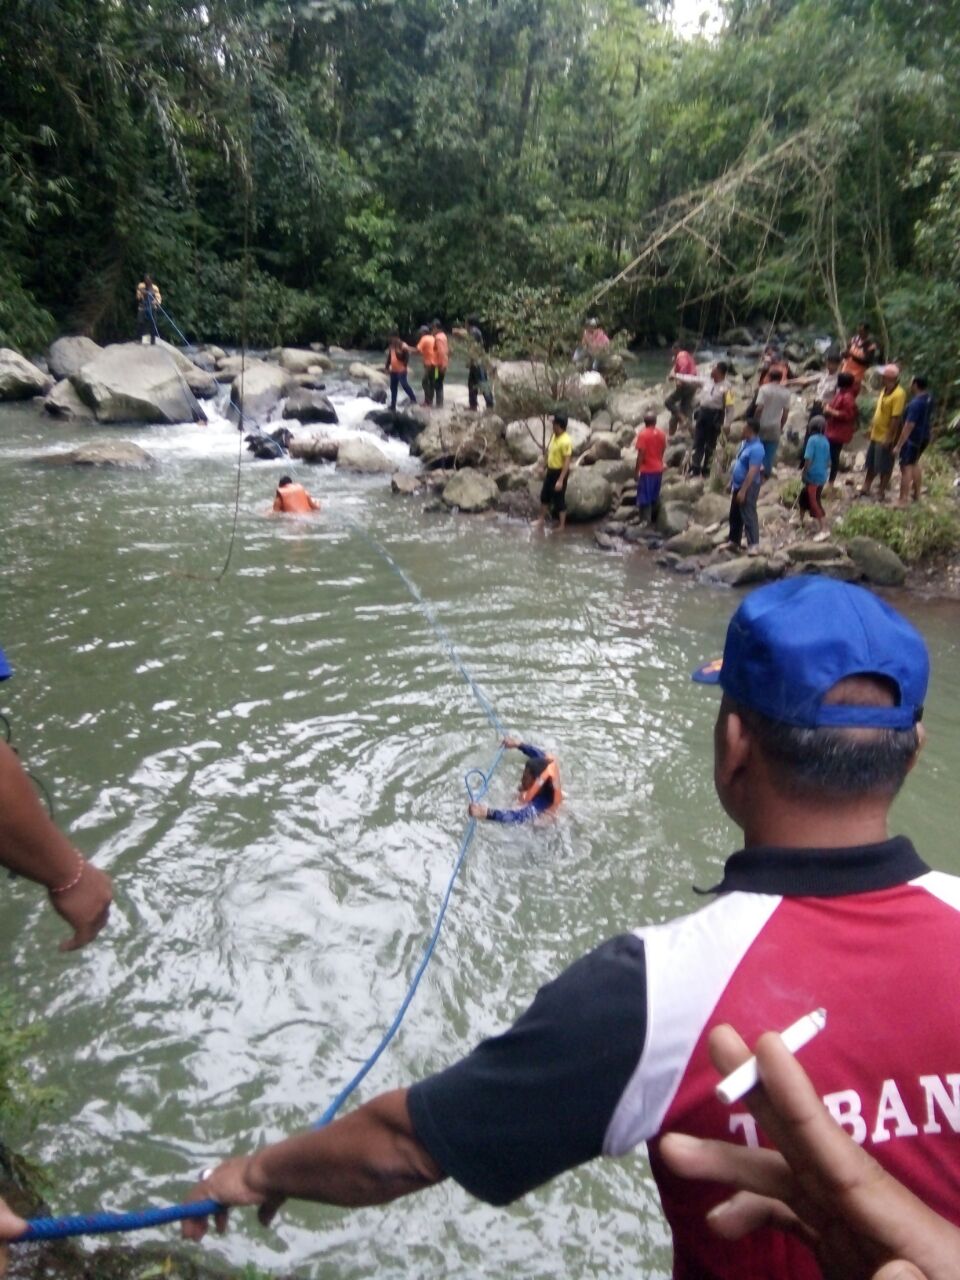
pixel 531 752
pixel 369 1157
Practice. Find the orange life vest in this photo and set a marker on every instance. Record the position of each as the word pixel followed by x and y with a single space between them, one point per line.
pixel 399 359
pixel 441 356
pixel 427 348
pixel 293 500
pixel 548 774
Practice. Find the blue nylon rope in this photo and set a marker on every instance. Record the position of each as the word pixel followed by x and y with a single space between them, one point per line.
pixel 476 783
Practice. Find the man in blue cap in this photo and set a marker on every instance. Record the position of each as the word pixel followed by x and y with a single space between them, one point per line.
pixel 823 687
pixel 31 846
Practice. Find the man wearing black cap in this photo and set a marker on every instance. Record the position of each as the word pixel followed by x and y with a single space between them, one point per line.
pixel 823 686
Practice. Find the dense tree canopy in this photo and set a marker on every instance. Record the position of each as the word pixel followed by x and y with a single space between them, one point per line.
pixel 385 160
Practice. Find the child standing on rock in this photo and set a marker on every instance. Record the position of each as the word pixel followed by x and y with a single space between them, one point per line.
pixel 816 469
pixel 650 445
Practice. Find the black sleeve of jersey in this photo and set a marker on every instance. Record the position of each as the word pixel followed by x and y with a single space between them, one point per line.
pixel 535 1101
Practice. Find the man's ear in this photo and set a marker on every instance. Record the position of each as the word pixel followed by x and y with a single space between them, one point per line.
pixel 734 744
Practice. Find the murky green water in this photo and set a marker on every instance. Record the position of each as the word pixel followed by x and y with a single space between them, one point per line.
pixel 271 770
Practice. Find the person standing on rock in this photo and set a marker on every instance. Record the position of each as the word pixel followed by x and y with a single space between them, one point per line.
pixel 441 359
pixel 860 354
pixel 712 414
pixel 398 360
pixel 292 499
pixel 884 433
pixel 427 346
pixel 478 376
pixel 816 469
pixel 914 438
pixel 650 445
pixel 148 299
pixel 771 410
pixel 772 362
pixel 680 400
pixel 841 415
pixel 553 494
pixel 745 482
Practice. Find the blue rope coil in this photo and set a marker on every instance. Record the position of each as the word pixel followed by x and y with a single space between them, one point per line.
pixel 476 782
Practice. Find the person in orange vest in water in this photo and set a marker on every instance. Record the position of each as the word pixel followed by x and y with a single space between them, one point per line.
pixel 539 790
pixel 426 345
pixel 293 500
pixel 441 358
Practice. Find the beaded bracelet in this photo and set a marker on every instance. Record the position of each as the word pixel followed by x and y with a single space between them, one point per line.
pixel 76 879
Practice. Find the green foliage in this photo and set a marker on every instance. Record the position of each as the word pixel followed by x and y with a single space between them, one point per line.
pixel 23 323
pixel 918 532
pixel 22 1103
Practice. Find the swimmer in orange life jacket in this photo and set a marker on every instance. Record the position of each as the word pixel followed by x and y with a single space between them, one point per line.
pixel 539 790
pixel 293 500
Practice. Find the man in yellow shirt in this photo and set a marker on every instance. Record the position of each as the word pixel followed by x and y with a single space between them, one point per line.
pixel 554 491
pixel 884 432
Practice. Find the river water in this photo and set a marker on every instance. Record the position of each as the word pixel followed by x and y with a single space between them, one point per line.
pixel 271 769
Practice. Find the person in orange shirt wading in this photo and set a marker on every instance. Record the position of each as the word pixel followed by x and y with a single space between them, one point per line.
pixel 427 348
pixel 441 358
pixel 293 500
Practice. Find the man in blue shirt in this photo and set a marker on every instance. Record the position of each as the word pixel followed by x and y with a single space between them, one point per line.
pixel 539 790
pixel 914 438
pixel 816 469
pixel 744 488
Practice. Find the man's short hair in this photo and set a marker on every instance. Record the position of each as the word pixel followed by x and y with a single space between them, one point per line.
pixel 753 424
pixel 920 381
pixel 845 380
pixel 650 418
pixel 838 762
pixel 775 375
pixel 560 418
pixel 722 366
pixel 284 480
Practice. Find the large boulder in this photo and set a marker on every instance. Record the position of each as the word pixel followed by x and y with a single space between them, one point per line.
pixel 616 471
pixel 101 453
pixel 130 382
pixel 711 507
pixel 309 406
pixel 363 455
pixel 316 449
pixel 589 495
pixel 630 402
pixel 402 424
pixel 603 444
pixel 592 390
pixel 298 361
pixel 878 563
pixel 19 379
pixel 672 518
pixel 63 402
pixel 694 541
pixel 369 374
pixel 523 440
pixel 259 391
pixel 450 441
pixel 743 570
pixel 804 552
pixel 67 356
pixel 840 567
pixel 470 490
pixel 202 384
pixel 405 483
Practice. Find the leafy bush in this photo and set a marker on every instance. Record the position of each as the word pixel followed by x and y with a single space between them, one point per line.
pixel 914 533
pixel 24 324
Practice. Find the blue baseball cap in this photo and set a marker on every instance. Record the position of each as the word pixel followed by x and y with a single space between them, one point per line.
pixel 6 671
pixel 789 643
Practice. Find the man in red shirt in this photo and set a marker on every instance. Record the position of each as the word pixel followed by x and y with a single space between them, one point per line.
pixel 842 416
pixel 650 444
pixel 680 400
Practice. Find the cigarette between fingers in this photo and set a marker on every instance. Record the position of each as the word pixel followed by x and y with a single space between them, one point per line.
pixel 733 1087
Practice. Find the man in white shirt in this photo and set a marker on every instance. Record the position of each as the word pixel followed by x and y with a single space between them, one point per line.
pixel 773 405
pixel 713 410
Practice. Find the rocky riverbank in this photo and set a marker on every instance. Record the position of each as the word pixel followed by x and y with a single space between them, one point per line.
pixel 491 462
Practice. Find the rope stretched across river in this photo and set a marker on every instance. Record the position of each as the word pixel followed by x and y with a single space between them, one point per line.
pixel 476 782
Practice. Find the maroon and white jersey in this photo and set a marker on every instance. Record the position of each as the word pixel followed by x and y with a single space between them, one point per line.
pixel 613 1053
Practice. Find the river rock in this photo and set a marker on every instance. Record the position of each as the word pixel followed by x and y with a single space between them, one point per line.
pixel 694 541
pixel 675 454
pixel 19 379
pixel 630 402
pixel 601 421
pixel 616 471
pixel 403 482
pixel 102 453
pixel 260 390
pixel 710 507
pixel 369 374
pixel 672 518
pixel 132 382
pixel 402 424
pixel 592 390
pixel 878 563
pixel 363 455
pixel 67 356
pixel 470 490
pixel 203 385
pixel 315 449
pixel 310 381
pixel 743 570
pixel 297 361
pixel 63 402
pixel 603 444
pixel 807 551
pixel 688 490
pixel 589 495
pixel 229 366
pixel 524 446
pixel 840 567
pixel 309 406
